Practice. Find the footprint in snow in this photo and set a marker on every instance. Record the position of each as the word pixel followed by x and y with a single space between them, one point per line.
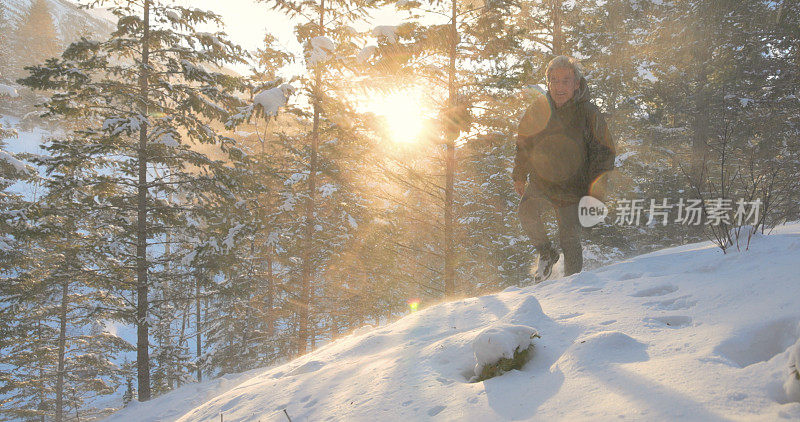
pixel 673 304
pixel 661 290
pixel 672 321
pixel 307 367
pixel 568 316
pixel 737 396
pixel 629 276
pixel 760 342
pixel 435 410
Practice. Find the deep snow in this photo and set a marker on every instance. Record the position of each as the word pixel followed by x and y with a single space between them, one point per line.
pixel 685 333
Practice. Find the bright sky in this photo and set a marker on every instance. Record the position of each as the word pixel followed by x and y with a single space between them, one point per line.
pixel 246 21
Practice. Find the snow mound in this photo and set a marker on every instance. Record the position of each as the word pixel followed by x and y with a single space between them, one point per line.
pixel 601 349
pixel 501 342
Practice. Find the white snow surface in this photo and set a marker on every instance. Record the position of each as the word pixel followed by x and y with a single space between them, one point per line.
pixel 685 333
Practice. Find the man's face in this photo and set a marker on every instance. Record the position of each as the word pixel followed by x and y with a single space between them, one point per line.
pixel 562 85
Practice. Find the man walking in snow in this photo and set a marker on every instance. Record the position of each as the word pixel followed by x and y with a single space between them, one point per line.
pixel 565 150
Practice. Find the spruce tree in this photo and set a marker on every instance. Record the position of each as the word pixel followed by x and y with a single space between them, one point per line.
pixel 714 101
pixel 315 177
pixel 247 301
pixel 65 305
pixel 15 253
pixel 152 94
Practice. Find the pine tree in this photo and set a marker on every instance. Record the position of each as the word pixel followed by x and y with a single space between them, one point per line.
pixel 153 98
pixel 247 305
pixel 713 71
pixel 67 298
pixel 17 326
pixel 326 37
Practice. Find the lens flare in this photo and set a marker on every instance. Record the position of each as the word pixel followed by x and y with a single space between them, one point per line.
pixel 413 304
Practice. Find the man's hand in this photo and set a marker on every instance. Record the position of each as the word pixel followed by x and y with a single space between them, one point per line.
pixel 519 186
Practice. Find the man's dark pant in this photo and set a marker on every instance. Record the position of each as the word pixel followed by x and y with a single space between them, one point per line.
pixel 532 208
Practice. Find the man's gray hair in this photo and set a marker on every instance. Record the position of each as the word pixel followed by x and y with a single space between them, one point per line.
pixel 567 63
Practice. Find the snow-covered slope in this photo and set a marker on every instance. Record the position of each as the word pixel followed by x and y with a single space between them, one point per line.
pixel 686 333
pixel 67 17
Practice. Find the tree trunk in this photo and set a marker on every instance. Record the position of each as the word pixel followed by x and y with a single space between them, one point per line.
pixel 450 164
pixel 305 278
pixel 167 339
pixel 199 327
pixel 181 340
pixel 700 131
pixel 42 397
pixel 142 304
pixel 251 298
pixel 558 34
pixel 270 278
pixel 62 343
pixel 270 292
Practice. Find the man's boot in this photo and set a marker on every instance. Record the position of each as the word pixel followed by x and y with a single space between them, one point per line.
pixel 544 267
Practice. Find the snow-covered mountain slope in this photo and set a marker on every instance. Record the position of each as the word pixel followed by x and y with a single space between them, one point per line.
pixel 685 333
pixel 67 17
